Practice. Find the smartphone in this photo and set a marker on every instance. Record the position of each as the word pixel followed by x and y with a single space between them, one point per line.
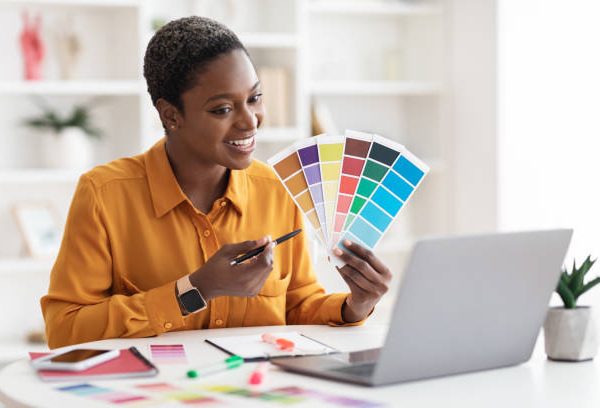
pixel 74 360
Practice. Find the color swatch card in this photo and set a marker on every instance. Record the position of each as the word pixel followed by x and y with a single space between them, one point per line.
pixel 168 353
pixel 349 187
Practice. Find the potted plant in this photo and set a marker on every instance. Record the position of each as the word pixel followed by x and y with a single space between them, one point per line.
pixel 570 332
pixel 65 138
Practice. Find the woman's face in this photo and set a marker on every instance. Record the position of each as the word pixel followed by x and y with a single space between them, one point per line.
pixel 222 112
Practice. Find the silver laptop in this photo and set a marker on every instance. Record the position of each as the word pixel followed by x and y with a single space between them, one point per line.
pixel 465 304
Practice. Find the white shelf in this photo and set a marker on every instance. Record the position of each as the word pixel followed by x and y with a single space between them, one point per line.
pixel 279 134
pixel 91 87
pixel 82 3
pixel 25 265
pixel 391 88
pixel 28 176
pixel 381 8
pixel 269 40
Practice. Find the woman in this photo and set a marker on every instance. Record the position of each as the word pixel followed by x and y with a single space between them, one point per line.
pixel 149 239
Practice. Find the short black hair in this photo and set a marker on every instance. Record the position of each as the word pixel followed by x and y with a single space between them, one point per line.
pixel 180 50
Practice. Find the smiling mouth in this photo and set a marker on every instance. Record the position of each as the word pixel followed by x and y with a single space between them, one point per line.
pixel 244 146
pixel 242 142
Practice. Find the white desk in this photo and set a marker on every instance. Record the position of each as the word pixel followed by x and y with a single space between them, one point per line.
pixel 538 383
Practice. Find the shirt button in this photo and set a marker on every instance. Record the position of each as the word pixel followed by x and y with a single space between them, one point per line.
pixel 219 322
pixel 206 233
pixel 168 325
pixel 223 203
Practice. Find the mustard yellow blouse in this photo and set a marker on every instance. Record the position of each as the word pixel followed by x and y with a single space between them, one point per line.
pixel 131 233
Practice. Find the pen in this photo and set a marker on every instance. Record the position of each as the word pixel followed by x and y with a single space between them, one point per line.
pixel 280 343
pixel 257 377
pixel 258 250
pixel 228 364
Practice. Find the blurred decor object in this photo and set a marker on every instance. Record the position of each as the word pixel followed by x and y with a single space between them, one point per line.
pixel 570 332
pixel 65 139
pixel 274 85
pixel 68 48
pixel 40 229
pixel 393 64
pixel 157 23
pixel 32 47
pixel 322 120
pixel 36 337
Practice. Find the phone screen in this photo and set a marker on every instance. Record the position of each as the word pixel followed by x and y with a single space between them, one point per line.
pixel 75 356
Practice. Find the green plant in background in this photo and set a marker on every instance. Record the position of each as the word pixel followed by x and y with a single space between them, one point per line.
pixel 51 119
pixel 571 285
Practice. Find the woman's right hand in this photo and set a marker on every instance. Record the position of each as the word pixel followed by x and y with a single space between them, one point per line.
pixel 218 278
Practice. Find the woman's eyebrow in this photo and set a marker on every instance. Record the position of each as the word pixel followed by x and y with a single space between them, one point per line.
pixel 230 95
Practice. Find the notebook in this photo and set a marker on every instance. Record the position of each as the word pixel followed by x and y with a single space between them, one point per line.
pixel 252 348
pixel 130 363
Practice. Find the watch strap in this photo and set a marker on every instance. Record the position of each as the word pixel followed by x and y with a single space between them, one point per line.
pixel 184 285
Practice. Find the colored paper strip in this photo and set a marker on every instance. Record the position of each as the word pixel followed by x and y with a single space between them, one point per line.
pixel 168 353
pixel 382 155
pixel 308 153
pixel 331 150
pixel 288 168
pixel 374 218
pixel 356 150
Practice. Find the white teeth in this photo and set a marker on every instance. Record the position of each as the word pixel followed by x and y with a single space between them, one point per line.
pixel 242 142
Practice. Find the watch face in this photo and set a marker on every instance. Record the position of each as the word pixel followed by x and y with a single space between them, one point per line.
pixel 192 301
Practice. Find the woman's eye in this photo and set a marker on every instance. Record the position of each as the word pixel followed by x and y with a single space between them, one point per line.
pixel 221 111
pixel 255 98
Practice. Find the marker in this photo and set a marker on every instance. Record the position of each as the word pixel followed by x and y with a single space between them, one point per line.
pixel 228 364
pixel 257 377
pixel 258 250
pixel 280 343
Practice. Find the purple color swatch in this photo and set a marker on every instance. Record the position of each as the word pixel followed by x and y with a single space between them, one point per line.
pixel 309 155
pixel 313 174
pixel 317 194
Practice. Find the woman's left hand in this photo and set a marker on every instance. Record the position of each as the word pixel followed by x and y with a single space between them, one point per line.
pixel 367 277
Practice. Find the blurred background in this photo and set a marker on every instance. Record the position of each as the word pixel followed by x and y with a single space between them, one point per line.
pixel 497 96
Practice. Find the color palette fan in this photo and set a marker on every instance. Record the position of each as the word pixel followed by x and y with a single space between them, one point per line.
pixel 349 187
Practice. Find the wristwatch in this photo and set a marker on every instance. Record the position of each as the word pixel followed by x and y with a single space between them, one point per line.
pixel 189 297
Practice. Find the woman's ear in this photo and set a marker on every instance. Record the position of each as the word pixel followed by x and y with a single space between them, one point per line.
pixel 169 115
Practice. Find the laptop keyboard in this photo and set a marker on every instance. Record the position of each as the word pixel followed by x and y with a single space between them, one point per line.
pixel 361 370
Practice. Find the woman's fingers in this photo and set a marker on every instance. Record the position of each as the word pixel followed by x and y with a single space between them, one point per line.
pixel 239 248
pixel 361 265
pixel 359 279
pixel 368 257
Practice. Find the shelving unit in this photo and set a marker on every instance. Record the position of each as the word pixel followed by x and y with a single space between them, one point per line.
pixel 365 87
pixel 374 8
pixel 74 88
pixel 381 66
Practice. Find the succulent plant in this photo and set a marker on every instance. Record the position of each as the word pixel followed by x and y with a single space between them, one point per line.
pixel 571 285
pixel 51 119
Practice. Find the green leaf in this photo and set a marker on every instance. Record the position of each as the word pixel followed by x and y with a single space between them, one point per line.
pixel 589 285
pixel 576 283
pixel 566 295
pixel 565 277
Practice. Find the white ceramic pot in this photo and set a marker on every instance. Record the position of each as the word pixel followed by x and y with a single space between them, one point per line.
pixel 69 149
pixel 570 334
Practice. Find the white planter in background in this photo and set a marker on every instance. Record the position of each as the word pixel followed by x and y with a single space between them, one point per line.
pixel 570 334
pixel 69 149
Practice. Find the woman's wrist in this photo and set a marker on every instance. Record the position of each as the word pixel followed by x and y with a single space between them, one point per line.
pixel 203 285
pixel 352 312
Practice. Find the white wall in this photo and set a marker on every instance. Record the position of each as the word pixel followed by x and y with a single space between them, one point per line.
pixel 549 121
pixel 472 117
